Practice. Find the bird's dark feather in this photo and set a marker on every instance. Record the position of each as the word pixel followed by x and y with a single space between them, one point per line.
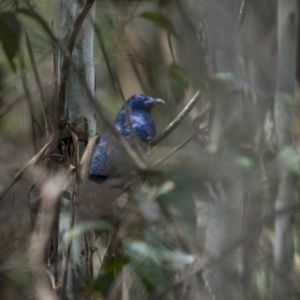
pixel 109 158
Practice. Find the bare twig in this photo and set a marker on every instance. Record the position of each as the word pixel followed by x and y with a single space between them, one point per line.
pixel 175 123
pixel 174 150
pixel 112 73
pixel 46 113
pixel 87 156
pixel 122 29
pixel 28 98
pixel 30 163
pixel 75 145
pixel 55 82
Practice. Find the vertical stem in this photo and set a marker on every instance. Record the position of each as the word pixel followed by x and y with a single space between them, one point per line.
pixel 286 76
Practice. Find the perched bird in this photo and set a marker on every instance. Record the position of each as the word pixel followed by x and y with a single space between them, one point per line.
pixel 110 159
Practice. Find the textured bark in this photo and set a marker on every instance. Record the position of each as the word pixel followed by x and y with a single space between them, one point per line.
pixel 78 109
pixel 286 77
pixel 80 113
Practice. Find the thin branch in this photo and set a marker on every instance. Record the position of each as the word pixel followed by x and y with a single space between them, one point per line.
pixel 174 150
pixel 30 163
pixel 86 157
pixel 55 81
pixel 175 123
pixel 28 98
pixel 171 46
pixel 112 73
pixel 66 253
pixel 242 12
pixel 122 29
pixel 45 110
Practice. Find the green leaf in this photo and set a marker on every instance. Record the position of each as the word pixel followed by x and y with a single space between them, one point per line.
pixel 160 20
pixel 286 100
pixel 291 159
pixel 105 279
pixel 139 250
pixel 166 187
pixel 81 228
pixel 225 80
pixel 164 2
pixel 179 83
pixel 116 264
pixel 103 283
pixel 10 35
pixel 245 162
pixel 151 275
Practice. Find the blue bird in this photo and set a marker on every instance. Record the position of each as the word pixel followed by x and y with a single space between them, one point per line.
pixel 109 158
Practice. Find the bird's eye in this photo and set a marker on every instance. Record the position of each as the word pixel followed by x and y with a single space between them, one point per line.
pixel 143 100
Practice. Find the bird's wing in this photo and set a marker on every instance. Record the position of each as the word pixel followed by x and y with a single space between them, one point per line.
pixel 103 159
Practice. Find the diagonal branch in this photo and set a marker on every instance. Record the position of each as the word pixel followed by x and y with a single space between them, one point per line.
pixel 86 157
pixel 39 84
pixel 30 163
pixel 112 73
pixel 175 123
pixel 174 150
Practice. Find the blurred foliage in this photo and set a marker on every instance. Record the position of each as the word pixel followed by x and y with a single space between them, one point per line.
pixel 10 35
pixel 156 226
pixel 160 21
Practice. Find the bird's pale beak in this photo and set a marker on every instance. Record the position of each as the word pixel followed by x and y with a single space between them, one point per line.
pixel 160 101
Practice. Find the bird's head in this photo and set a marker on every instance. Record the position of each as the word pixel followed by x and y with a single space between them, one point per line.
pixel 143 102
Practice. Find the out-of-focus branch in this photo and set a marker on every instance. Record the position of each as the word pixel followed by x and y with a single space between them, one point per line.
pixel 66 252
pixel 175 123
pixel 113 76
pixel 45 110
pixel 174 150
pixel 29 164
pixel 206 261
pixel 284 247
pixel 28 98
pixel 50 194
pixel 86 157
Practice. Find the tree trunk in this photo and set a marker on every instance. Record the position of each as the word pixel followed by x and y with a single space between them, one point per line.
pixel 286 77
pixel 80 113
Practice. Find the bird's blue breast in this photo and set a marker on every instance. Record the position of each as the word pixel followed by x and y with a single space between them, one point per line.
pixel 141 122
